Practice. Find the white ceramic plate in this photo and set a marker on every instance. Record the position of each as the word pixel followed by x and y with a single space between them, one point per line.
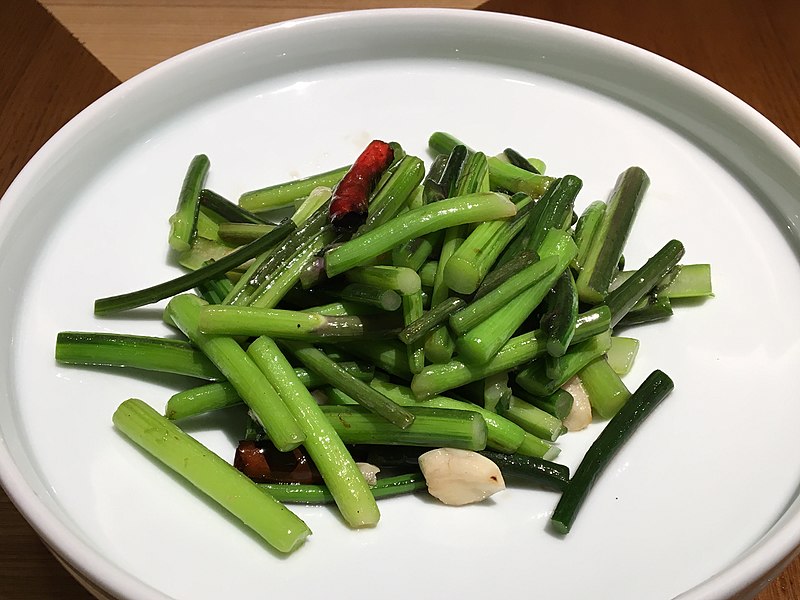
pixel 702 502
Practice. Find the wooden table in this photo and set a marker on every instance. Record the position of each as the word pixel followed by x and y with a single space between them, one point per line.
pixel 750 47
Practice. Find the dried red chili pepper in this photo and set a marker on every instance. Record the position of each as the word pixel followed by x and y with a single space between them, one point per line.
pixel 350 200
pixel 263 463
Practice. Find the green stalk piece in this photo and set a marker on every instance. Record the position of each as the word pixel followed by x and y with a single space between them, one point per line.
pixel 284 194
pixel 270 263
pixel 502 175
pixel 427 273
pixel 622 354
pixel 315 360
pixel 230 212
pixel 618 430
pixel 530 469
pixel 290 324
pixel 193 279
pixel 432 427
pixel 296 493
pixel 136 352
pixel 211 475
pixel 516 159
pixel 395 193
pixel 400 279
pixel 472 208
pixel 558 404
pixel 483 341
pixel 435 379
pixel 431 186
pixel 554 210
pixel 561 313
pixel 533 419
pixel 585 229
pixel 479 310
pixel 324 446
pixel 318 198
pixel 633 289
pixel 687 281
pixel 240 371
pixel 501 273
pixel 419 328
pixel 469 264
pixel 183 224
pixel 416 251
pixel 387 355
pixel 214 291
pixel 647 310
pixel 412 312
pixel 239 234
pixel 607 393
pixel 277 285
pixel 609 240
pixel 502 435
pixel 379 297
pixel 219 395
pixel 540 380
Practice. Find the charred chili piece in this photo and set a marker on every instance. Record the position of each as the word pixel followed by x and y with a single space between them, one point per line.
pixel 263 463
pixel 348 208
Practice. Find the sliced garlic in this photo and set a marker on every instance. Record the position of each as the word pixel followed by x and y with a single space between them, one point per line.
pixel 370 472
pixel 457 477
pixel 580 415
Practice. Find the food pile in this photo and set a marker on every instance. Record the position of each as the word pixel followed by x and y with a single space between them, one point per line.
pixel 405 328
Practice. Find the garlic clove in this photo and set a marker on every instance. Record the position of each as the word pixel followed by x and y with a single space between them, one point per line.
pixel 457 477
pixel 370 473
pixel 580 415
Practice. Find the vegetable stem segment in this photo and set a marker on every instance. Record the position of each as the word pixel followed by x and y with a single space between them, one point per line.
pixel 608 241
pixel 319 494
pixel 278 526
pixel 641 403
pixel 191 280
pixel 137 352
pixel 241 371
pixel 338 470
pixel 283 194
pixel 315 360
pixel 183 224
pixel 472 208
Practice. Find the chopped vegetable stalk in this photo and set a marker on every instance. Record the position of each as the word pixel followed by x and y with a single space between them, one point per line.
pixel 585 229
pixel 232 213
pixel 215 396
pixel 418 329
pixel 319 494
pixel 234 492
pixel 554 210
pixel 400 279
pixel 468 266
pixel 608 241
pixel 607 392
pixel 285 194
pixel 540 380
pixel 558 404
pixel 395 193
pixel 472 208
pixel 520 350
pixel 643 401
pixel 622 353
pixel 483 341
pixel 191 280
pixel 132 351
pixel 316 361
pixel 432 427
pixel 413 311
pixel 339 471
pixel 533 420
pixel 625 297
pixel 291 324
pixel 379 297
pixel 479 310
pixel 184 222
pixel 561 313
pixel 240 371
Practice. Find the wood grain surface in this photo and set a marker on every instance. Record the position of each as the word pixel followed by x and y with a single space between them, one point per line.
pixel 750 47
